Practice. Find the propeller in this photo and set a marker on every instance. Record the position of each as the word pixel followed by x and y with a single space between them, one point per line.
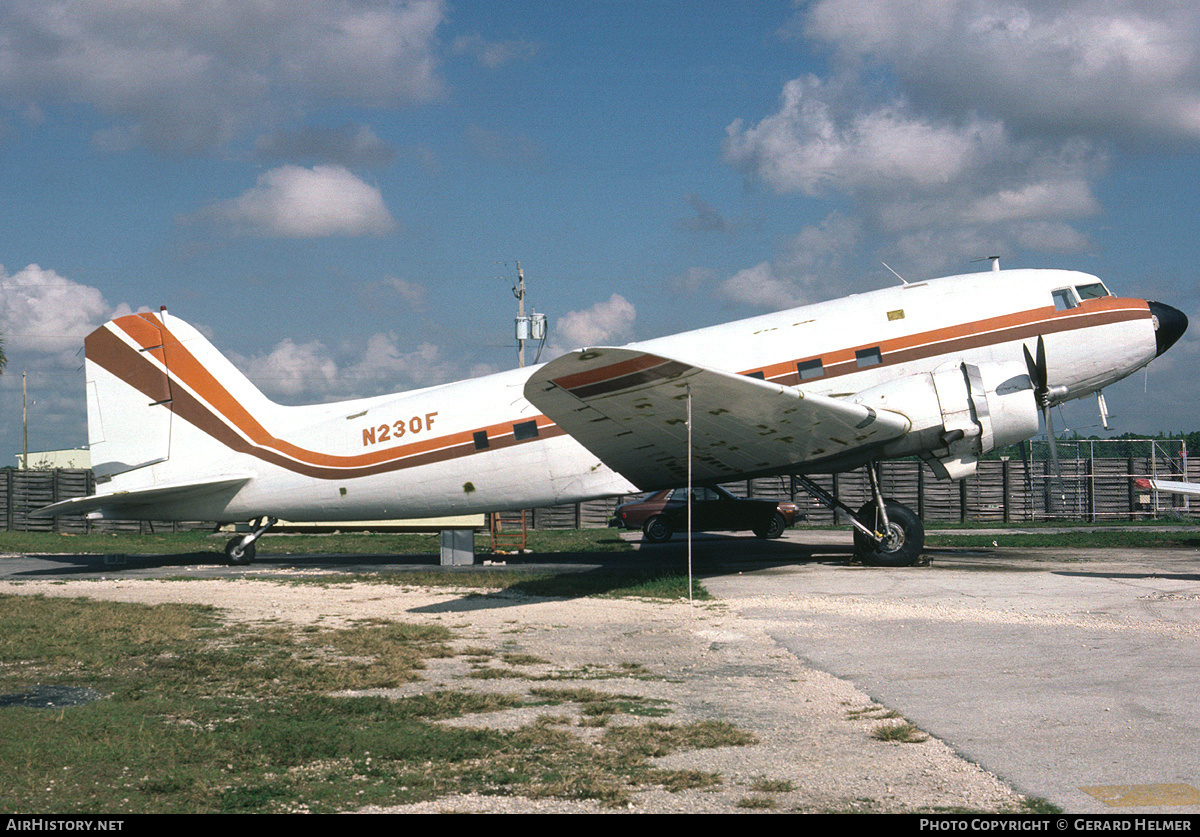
pixel 1039 375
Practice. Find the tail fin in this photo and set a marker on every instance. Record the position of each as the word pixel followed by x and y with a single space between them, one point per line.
pixel 146 374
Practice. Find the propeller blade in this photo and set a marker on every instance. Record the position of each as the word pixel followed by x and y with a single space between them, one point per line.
pixel 1038 372
pixel 1043 372
pixel 1031 366
pixel 1057 497
pixel 1039 375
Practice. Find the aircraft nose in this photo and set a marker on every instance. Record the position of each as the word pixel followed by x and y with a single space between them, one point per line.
pixel 1169 325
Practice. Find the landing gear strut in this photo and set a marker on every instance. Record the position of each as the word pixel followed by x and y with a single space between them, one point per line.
pixel 886 533
pixel 240 550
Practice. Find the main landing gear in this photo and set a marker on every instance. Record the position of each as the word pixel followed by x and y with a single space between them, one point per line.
pixel 240 550
pixel 886 533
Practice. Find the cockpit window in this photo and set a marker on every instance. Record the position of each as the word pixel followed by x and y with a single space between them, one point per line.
pixel 1064 299
pixel 1093 291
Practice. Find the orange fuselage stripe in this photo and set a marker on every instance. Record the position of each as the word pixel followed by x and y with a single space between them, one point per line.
pixel 218 413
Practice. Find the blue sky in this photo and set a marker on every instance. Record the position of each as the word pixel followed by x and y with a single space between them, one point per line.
pixel 337 193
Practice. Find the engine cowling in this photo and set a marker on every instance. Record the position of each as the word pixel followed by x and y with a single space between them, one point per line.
pixel 959 413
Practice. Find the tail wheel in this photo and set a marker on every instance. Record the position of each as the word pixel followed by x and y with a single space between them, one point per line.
pixel 238 555
pixel 658 529
pixel 904 539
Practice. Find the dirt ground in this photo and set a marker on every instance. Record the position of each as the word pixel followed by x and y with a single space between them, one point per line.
pixel 705 659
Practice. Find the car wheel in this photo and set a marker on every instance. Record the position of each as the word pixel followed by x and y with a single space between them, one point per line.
pixel 774 529
pixel 658 529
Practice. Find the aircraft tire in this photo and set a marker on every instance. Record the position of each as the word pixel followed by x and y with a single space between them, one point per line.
pixel 658 529
pixel 774 529
pixel 237 555
pixel 908 537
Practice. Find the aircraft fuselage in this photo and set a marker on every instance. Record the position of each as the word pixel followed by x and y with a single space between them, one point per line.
pixel 480 445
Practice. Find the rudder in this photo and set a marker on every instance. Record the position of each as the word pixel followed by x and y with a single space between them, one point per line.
pixel 137 366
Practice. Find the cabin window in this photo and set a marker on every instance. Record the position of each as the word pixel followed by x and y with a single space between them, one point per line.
pixel 525 430
pixel 868 357
pixel 759 374
pixel 1064 299
pixel 810 369
pixel 481 439
pixel 1092 291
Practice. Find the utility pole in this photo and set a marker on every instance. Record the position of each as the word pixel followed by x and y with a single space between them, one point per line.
pixel 24 424
pixel 532 327
pixel 522 323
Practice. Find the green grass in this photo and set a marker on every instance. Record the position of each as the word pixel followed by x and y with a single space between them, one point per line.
pixel 570 541
pixel 202 716
pixel 1083 539
pixel 644 583
pixel 540 542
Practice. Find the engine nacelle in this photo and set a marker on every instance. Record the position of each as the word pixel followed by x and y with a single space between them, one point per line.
pixel 959 413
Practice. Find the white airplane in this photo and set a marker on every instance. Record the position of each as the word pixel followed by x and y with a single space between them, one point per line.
pixel 946 369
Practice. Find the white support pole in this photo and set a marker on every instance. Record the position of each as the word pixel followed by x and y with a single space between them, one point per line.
pixel 689 491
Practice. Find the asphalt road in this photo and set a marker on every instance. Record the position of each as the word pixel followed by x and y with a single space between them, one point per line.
pixel 1071 674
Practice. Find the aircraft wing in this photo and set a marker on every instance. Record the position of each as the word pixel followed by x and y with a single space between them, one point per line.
pixel 110 504
pixel 1170 486
pixel 629 408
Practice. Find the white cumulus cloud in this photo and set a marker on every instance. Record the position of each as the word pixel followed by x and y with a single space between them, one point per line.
pixel 44 312
pixel 188 76
pixel 298 202
pixel 816 142
pixel 44 317
pixel 956 129
pixel 605 323
pixel 310 371
pixel 1124 70
pixel 291 369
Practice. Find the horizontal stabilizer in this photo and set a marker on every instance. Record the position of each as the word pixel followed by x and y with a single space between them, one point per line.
pixel 629 408
pixel 110 505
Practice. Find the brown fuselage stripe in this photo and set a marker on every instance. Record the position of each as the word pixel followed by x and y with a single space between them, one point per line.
pixel 1024 325
pixel 116 356
pixel 226 420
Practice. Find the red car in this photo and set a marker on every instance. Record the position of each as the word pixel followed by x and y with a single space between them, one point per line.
pixel 663 513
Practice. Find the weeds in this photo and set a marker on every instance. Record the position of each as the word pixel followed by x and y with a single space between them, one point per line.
pixel 757 803
pixel 903 733
pixel 876 713
pixel 198 716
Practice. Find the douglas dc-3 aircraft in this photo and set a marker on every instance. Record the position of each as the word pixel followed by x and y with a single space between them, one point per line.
pixel 946 369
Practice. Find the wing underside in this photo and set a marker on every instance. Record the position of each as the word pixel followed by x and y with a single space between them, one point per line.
pixel 1191 489
pixel 630 409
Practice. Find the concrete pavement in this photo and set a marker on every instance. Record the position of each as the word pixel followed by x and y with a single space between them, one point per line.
pixel 1071 674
